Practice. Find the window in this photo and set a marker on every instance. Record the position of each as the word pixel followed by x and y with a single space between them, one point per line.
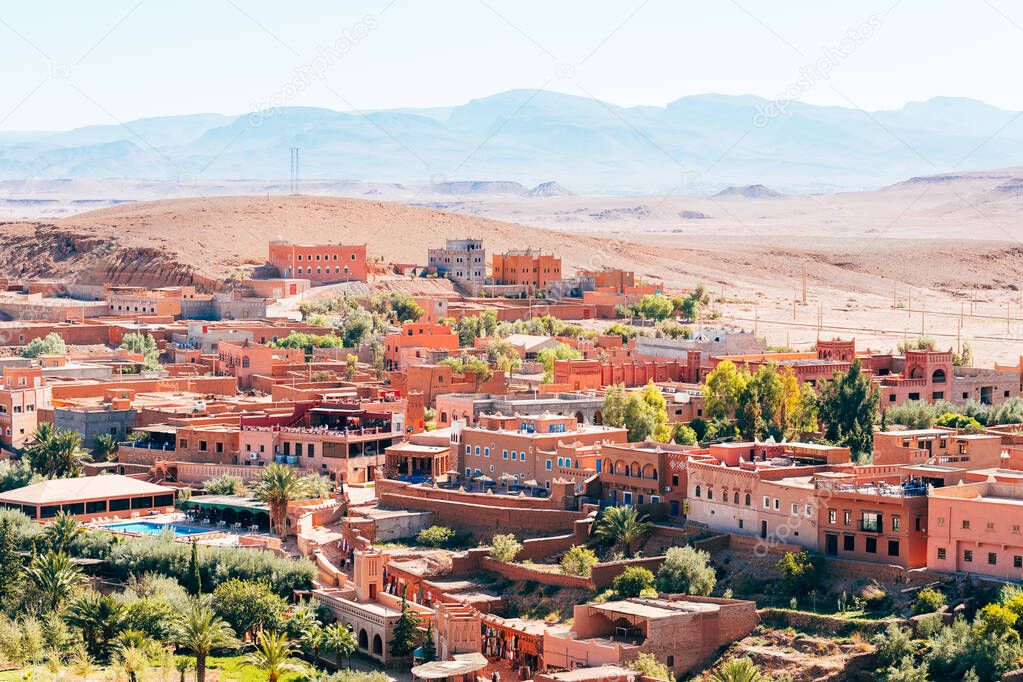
pixel 477 451
pixel 548 465
pixel 504 454
pixel 674 480
pixel 748 500
pixel 832 516
pixel 735 497
pixel 941 521
pixel 710 493
pixel 1017 561
pixel 795 508
pixel 893 548
pixel 968 555
pixel 871 522
pixel 872 545
pixel 990 526
pixel 767 502
pixel 468 449
pixel 486 452
pixel 807 510
pixel 522 456
pixel 202 446
pixel 896 523
pixel 777 504
pixel 941 553
pixel 966 524
pixel 992 558
pixel 697 491
pixel 847 517
pixel 849 543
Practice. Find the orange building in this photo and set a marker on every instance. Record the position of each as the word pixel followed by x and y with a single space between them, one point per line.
pixel 976 528
pixel 23 393
pixel 938 446
pixel 417 337
pixel 320 263
pixel 246 359
pixel 525 267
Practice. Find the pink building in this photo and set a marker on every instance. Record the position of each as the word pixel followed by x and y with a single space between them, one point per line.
pixel 319 263
pixel 976 528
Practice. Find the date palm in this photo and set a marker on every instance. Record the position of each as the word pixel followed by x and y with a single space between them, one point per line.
pixel 340 640
pixel 279 485
pixel 55 576
pixel 274 656
pixel 62 531
pixel 202 631
pixel 100 617
pixel 737 670
pixel 106 446
pixel 623 527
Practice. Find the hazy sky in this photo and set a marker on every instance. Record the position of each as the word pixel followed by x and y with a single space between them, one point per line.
pixel 65 63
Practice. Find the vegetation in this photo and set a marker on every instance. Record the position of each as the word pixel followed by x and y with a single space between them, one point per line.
pixel 277 486
pixel 225 484
pixel 274 656
pixel 643 413
pixel 578 561
pixel 737 670
pixel 647 665
pixel 51 344
pixel 634 581
pixel 504 547
pixel 848 406
pixel 401 308
pixel 928 600
pixel 623 528
pixel 504 356
pixel 55 453
pixel 548 356
pixel 307 342
pixel 16 474
pixel 144 345
pixel 201 632
pixel 770 402
pixel 800 572
pixel 470 363
pixel 403 641
pixel 249 606
pixel 686 570
pixel 435 536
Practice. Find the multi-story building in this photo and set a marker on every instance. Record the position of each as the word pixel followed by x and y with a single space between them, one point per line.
pixel 646 473
pixel 526 448
pixel 525 267
pixel 976 528
pixel 132 301
pixel 320 263
pixel 938 446
pixel 406 347
pixel 585 407
pixel 23 393
pixel 463 259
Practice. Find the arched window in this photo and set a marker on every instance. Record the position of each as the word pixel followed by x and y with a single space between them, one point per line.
pixel 710 493
pixel 363 639
pixel 697 491
pixel 735 497
pixel 378 645
pixel 245 361
pixel 938 377
pixel 748 500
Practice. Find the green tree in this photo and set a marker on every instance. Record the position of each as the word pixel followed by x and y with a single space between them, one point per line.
pixel 340 640
pixel 10 562
pixel 106 447
pixel 655 307
pixel 100 617
pixel 633 582
pixel 723 388
pixel 225 484
pixel 435 536
pixel 848 406
pixel 683 434
pixel 16 474
pixel 51 344
pixel 403 640
pixel 429 649
pixel 928 600
pixel 548 356
pixel 55 453
pixel 55 577
pixel 686 571
pixel 61 533
pixel 800 572
pixel 144 345
pixel 193 579
pixel 647 665
pixel 504 547
pixel 274 656
pixel 249 606
pixel 615 400
pixel 277 486
pixel 623 527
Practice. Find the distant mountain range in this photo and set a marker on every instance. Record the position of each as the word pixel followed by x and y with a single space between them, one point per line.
pixel 697 144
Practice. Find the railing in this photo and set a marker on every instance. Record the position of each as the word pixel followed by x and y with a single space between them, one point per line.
pixel 146 445
pixel 879 488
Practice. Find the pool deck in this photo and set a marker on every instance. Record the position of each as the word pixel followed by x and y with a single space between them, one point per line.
pixel 197 533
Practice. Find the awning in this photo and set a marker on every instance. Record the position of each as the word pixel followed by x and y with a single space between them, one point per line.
pixel 463 664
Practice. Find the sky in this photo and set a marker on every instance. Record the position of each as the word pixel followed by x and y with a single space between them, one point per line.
pixel 65 64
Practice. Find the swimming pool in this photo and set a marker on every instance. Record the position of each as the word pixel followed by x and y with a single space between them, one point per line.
pixel 154 528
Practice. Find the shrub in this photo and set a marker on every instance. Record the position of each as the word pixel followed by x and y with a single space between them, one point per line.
pixel 800 572
pixel 578 561
pixel 928 600
pixel 504 547
pixel 686 571
pixel 633 582
pixel 648 666
pixel 892 646
pixel 874 597
pixel 435 536
pixel 224 485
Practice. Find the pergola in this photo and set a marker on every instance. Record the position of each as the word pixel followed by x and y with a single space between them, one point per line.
pixel 231 509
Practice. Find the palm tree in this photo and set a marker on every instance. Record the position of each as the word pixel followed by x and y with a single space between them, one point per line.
pixel 737 670
pixel 100 617
pixel 55 453
pixel 273 656
pixel 55 576
pixel 202 631
pixel 134 651
pixel 279 485
pixel 62 531
pixel 623 527
pixel 340 640
pixel 106 446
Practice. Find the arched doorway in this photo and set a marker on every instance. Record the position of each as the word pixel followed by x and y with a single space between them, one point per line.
pixel 363 639
pixel 598 418
pixel 378 645
pixel 579 418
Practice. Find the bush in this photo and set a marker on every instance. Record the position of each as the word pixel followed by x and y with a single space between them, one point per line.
pixel 633 582
pixel 647 665
pixel 928 600
pixel 686 571
pixel 800 572
pixel 435 536
pixel 892 646
pixel 224 485
pixel 504 547
pixel 874 597
pixel 578 561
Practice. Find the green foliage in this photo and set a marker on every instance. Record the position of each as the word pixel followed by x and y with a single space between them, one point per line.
pixel 547 357
pixel 737 670
pixel 55 453
pixel 278 485
pixel 193 579
pixel 917 414
pixel 470 363
pixel 1009 412
pixel 578 561
pixel 655 307
pixel 647 665
pixel 623 330
pixel 61 533
pixel 202 632
pixel 10 562
pixel 16 474
pixel 274 656
pixel 144 345
pixel 402 307
pixel 546 325
pixel 920 343
pixel 686 571
pixel 960 421
pixel 306 342
pixel 848 406
pixel 928 600
pixel 248 606
pixel 504 547
pixel 54 576
pixel 225 484
pixel 429 649
pixel 892 646
pixel 504 356
pixel 723 388
pixel 623 528
pixel 800 572
pixel 632 582
pixel 403 640
pixel 963 358
pixel 684 435
pixel 472 327
pixel 51 344
pixel 667 329
pixel 340 640
pixel 435 536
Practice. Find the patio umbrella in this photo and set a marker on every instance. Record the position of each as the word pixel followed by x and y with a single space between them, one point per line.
pixel 508 477
pixel 484 479
pixel 452 472
pixel 532 483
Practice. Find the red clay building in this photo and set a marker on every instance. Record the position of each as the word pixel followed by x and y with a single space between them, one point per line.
pixel 525 267
pixel 320 263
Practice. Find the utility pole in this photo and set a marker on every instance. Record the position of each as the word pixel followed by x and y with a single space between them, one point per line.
pixel 804 283
pixel 295 151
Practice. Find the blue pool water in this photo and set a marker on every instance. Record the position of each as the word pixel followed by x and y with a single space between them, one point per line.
pixel 153 528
